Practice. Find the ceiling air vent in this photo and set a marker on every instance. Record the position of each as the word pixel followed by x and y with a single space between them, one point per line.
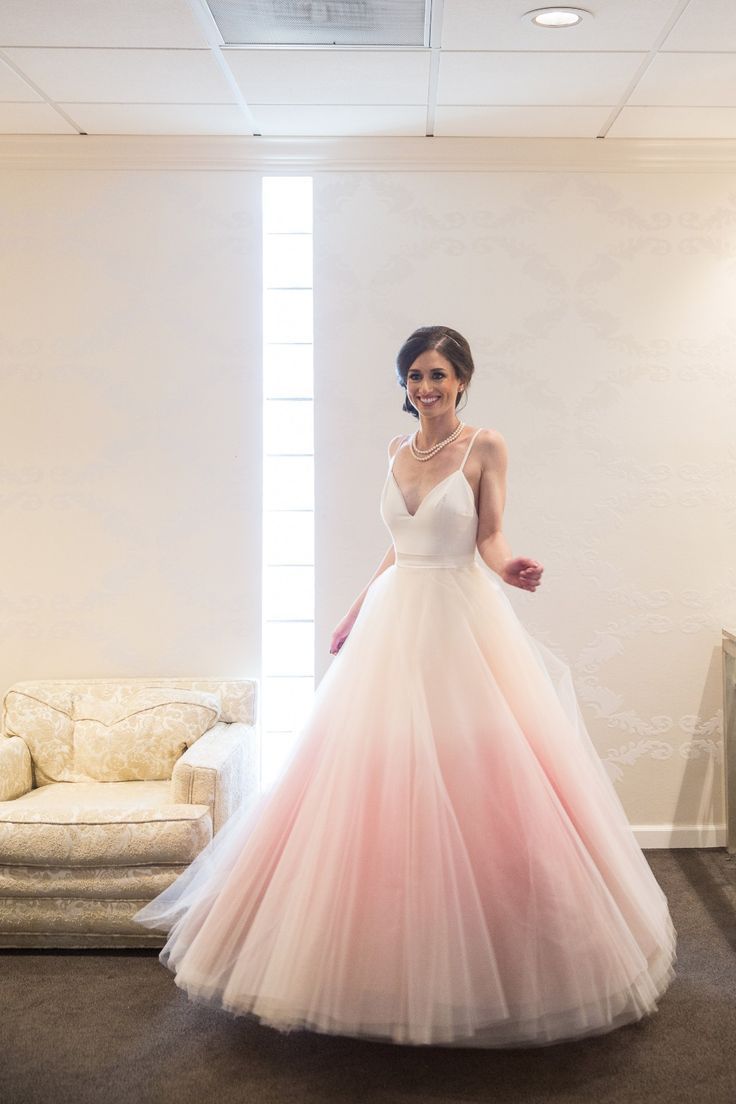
pixel 327 23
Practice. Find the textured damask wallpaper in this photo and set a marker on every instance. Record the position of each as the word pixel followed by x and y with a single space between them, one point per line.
pixel 600 309
pixel 130 423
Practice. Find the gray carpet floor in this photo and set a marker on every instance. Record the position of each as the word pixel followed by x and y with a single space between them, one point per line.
pixel 107 1027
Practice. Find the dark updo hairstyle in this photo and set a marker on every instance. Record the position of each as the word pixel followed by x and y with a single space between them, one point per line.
pixel 449 343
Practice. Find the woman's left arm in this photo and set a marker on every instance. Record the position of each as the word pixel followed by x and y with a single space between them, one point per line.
pixel 520 571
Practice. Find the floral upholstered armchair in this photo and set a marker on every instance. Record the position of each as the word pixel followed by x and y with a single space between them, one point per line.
pixel 108 789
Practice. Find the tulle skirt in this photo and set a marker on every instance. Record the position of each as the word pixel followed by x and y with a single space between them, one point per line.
pixel 442 858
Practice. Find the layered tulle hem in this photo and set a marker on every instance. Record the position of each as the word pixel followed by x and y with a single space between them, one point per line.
pixel 454 1026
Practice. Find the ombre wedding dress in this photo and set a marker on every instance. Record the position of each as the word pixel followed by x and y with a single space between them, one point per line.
pixel 442 859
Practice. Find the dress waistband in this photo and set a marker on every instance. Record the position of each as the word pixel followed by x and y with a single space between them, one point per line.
pixel 409 559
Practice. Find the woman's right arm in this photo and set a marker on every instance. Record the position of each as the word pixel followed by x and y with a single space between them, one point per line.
pixel 341 632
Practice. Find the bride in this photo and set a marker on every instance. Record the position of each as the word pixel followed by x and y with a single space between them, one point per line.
pixel 434 387
pixel 442 859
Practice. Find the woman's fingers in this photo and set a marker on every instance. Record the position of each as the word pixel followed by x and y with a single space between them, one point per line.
pixel 537 569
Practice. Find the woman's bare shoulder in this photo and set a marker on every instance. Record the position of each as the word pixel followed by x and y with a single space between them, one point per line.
pixel 490 437
pixel 394 444
pixel 491 444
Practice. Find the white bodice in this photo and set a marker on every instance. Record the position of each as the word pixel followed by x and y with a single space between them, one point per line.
pixel 443 531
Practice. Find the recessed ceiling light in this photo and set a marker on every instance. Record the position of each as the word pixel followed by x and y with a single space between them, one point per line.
pixel 556 17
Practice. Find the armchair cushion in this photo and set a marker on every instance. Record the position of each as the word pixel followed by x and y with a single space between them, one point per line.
pixel 101 823
pixel 107 734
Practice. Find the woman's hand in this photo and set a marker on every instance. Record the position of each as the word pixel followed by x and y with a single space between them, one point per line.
pixel 522 572
pixel 340 634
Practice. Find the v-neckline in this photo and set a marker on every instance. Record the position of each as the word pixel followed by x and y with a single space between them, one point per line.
pixel 457 471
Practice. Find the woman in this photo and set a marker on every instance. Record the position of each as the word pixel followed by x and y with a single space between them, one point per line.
pixel 434 385
pixel 443 858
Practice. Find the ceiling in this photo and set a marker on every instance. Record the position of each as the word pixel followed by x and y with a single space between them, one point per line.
pixel 636 69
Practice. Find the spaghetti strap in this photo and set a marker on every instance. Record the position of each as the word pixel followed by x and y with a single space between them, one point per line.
pixel 406 438
pixel 392 458
pixel 465 457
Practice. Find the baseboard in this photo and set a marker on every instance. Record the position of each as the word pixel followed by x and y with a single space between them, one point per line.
pixel 681 835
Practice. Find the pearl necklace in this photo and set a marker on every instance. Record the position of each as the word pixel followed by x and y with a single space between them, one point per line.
pixel 427 454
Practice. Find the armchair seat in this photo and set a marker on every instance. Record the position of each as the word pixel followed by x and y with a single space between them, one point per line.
pixel 95 823
pixel 109 788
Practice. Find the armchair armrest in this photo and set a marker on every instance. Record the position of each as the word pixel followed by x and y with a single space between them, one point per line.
pixel 220 769
pixel 16 774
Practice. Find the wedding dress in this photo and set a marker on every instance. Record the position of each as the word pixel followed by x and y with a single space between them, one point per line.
pixel 442 858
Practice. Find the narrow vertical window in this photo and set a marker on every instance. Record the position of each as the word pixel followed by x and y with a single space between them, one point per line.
pixel 288 467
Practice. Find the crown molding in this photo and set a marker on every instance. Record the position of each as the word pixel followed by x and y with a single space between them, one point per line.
pixel 228 153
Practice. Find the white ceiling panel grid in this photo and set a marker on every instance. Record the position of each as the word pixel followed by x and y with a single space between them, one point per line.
pixel 704 25
pixel 582 79
pixel 32 118
pixel 514 121
pixel 632 68
pixel 118 23
pixel 331 76
pixel 124 76
pixel 339 120
pixel 688 80
pixel 14 88
pixel 158 118
pixel 630 25
pixel 675 122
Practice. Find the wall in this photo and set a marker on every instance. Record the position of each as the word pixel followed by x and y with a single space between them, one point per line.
pixel 130 423
pixel 599 307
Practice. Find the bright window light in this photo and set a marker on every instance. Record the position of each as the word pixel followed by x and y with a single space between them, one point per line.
pixel 287 681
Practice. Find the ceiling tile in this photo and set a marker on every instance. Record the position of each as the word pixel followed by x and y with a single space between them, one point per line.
pixel 125 76
pixel 512 121
pixel 32 118
pixel 525 78
pixel 13 87
pixel 704 25
pixel 696 80
pixel 497 25
pixel 146 66
pixel 158 118
pixel 675 122
pixel 284 76
pixel 363 120
pixel 171 23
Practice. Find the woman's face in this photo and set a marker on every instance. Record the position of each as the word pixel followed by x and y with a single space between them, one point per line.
pixel 432 385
